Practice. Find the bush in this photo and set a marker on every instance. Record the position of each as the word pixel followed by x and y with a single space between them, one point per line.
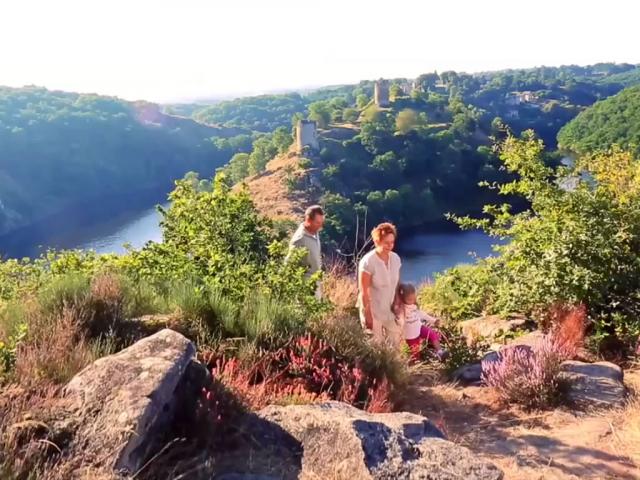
pixel 71 289
pixel 219 238
pixel 528 377
pixel 9 349
pixel 459 352
pixel 573 245
pixel 347 337
pixel 307 369
pixel 461 292
pixel 55 353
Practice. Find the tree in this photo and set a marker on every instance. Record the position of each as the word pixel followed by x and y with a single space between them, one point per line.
pixel 409 119
pixel 349 115
pixel 395 91
pixel 282 139
pixel 320 112
pixel 388 169
pixel 263 151
pixel 218 237
pixel 449 77
pixel 238 167
pixel 375 135
pixel 614 121
pixel 427 81
pixel 362 101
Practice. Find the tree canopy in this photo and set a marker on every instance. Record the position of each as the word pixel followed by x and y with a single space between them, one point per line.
pixel 614 121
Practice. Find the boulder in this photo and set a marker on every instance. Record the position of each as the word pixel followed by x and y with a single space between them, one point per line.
pixel 594 385
pixel 529 340
pixel 470 373
pixel 491 326
pixel 338 441
pixel 120 402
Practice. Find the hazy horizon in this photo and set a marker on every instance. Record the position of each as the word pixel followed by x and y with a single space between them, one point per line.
pixel 164 53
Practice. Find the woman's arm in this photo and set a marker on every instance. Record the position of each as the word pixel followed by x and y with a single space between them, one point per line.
pixel 397 300
pixel 364 283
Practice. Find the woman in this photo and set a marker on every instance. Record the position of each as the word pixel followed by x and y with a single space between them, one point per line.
pixel 378 278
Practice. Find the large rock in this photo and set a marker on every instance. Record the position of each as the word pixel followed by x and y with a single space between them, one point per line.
pixel 122 401
pixel 595 385
pixel 338 441
pixel 470 373
pixel 491 326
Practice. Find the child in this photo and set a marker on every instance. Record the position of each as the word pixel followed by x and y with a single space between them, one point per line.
pixel 417 325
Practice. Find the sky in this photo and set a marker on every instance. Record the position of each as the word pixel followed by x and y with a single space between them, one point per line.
pixel 182 50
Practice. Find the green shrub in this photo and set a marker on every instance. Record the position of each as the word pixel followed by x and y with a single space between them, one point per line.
pixel 17 277
pixel 573 245
pixel 459 352
pixel 64 290
pixel 142 298
pixel 461 292
pixel 9 348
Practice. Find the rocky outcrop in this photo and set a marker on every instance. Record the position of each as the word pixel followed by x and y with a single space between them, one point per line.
pixel 121 402
pixel 120 411
pixel 594 385
pixel 492 326
pixel 338 441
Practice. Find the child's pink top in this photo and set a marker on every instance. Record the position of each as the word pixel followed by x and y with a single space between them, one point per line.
pixel 413 321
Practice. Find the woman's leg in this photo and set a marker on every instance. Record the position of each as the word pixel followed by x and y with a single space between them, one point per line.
pixel 378 334
pixel 392 333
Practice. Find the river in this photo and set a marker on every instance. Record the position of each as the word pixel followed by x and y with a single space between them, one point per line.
pixel 423 254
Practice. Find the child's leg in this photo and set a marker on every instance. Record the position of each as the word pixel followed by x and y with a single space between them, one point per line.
pixel 431 336
pixel 414 348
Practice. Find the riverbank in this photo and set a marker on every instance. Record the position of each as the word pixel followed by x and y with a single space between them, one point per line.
pixel 80 226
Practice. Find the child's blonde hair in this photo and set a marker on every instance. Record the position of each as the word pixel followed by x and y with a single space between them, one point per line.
pixel 406 289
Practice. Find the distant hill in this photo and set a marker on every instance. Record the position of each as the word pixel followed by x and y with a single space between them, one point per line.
pixel 615 120
pixel 59 149
pixel 625 79
pixel 413 161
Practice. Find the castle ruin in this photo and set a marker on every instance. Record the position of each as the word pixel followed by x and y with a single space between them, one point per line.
pixel 381 93
pixel 307 136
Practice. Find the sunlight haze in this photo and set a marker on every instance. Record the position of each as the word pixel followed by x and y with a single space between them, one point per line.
pixel 172 51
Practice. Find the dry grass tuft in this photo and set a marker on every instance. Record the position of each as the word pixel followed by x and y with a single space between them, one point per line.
pixel 55 353
pixel 340 287
pixel 627 436
pixel 27 441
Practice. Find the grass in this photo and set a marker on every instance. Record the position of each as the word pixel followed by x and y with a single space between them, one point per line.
pixel 340 288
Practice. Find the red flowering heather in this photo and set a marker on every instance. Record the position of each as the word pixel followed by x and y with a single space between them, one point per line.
pixel 307 370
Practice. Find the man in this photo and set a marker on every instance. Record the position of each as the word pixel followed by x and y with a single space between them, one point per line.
pixel 307 236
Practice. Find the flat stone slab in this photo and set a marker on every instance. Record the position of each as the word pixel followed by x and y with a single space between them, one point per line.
pixel 598 385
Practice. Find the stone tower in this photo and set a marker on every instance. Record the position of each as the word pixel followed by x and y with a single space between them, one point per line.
pixel 381 93
pixel 307 135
